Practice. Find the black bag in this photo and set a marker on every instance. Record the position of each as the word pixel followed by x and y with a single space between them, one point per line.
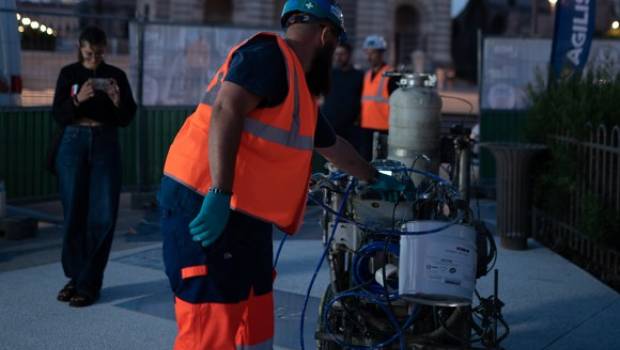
pixel 52 151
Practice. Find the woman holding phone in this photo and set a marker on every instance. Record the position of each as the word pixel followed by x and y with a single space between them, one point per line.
pixel 92 100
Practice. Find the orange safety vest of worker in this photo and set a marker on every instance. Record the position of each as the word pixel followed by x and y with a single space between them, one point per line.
pixel 375 100
pixel 274 159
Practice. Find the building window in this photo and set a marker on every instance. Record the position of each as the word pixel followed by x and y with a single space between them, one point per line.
pixel 407 33
pixel 218 11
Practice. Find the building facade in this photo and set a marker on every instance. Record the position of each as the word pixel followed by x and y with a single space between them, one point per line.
pixel 408 25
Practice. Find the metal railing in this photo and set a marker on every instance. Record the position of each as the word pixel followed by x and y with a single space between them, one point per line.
pixel 599 175
pixel 598 179
pixel 582 250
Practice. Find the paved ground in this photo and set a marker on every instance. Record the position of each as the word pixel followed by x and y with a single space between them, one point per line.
pixel 550 303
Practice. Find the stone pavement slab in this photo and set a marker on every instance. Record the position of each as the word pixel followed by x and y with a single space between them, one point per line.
pixel 548 298
pixel 550 303
pixel 31 318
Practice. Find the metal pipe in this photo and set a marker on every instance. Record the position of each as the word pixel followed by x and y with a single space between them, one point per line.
pixel 463 152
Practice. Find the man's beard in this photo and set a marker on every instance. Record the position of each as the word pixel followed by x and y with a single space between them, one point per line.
pixel 319 76
pixel 343 65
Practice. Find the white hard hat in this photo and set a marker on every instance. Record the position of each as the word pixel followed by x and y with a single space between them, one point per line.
pixel 375 42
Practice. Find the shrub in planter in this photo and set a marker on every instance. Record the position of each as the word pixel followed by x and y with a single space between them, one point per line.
pixel 567 108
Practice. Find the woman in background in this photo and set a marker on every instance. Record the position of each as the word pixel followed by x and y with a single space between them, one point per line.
pixel 92 100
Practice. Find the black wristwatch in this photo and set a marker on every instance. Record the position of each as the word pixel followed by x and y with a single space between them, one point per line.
pixel 218 190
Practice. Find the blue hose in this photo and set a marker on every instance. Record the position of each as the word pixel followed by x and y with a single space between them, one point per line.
pixel 338 176
pixel 318 267
pixel 358 267
pixel 275 262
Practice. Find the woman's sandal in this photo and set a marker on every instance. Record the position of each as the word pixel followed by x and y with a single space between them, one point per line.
pixel 81 300
pixel 66 293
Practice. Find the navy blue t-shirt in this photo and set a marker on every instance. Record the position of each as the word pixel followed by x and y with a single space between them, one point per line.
pixel 343 104
pixel 259 67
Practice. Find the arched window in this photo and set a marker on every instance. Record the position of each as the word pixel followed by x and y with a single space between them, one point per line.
pixel 218 11
pixel 407 33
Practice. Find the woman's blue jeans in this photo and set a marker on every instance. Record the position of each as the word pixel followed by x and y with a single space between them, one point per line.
pixel 89 173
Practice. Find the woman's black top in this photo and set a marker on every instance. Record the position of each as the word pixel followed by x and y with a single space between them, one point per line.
pixel 100 107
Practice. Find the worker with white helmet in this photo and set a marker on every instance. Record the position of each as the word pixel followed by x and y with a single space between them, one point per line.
pixel 375 96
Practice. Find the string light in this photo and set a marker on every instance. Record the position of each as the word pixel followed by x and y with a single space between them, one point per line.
pixel 27 22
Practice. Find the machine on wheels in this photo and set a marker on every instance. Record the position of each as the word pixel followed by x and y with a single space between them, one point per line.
pixel 403 272
pixel 403 266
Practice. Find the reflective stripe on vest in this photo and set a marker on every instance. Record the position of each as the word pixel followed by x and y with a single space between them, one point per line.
pixel 378 97
pixel 274 157
pixel 375 100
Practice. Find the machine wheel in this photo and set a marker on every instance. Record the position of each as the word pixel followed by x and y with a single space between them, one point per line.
pixel 320 343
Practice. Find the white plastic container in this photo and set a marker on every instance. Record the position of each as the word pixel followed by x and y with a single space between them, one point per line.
pixel 438 268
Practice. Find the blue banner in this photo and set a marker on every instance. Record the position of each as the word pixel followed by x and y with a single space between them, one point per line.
pixel 574 27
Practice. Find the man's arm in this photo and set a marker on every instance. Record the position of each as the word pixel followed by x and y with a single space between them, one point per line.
pixel 346 158
pixel 232 105
pixel 392 85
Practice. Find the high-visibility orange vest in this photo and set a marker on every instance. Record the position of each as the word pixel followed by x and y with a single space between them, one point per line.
pixel 376 100
pixel 273 162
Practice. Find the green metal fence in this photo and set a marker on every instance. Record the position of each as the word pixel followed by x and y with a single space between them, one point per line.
pixel 499 126
pixel 25 135
pixel 162 125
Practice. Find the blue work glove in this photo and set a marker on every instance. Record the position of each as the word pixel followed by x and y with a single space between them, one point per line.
pixel 389 186
pixel 210 222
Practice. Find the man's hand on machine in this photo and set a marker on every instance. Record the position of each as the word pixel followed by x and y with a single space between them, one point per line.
pixel 210 222
pixel 388 185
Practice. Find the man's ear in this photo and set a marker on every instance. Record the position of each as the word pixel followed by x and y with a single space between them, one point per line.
pixel 324 36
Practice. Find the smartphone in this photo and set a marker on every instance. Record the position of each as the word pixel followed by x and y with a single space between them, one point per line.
pixel 100 83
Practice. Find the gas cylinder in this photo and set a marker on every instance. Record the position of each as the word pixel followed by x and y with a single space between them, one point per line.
pixel 415 123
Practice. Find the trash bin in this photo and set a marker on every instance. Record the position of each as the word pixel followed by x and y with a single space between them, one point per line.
pixel 513 164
